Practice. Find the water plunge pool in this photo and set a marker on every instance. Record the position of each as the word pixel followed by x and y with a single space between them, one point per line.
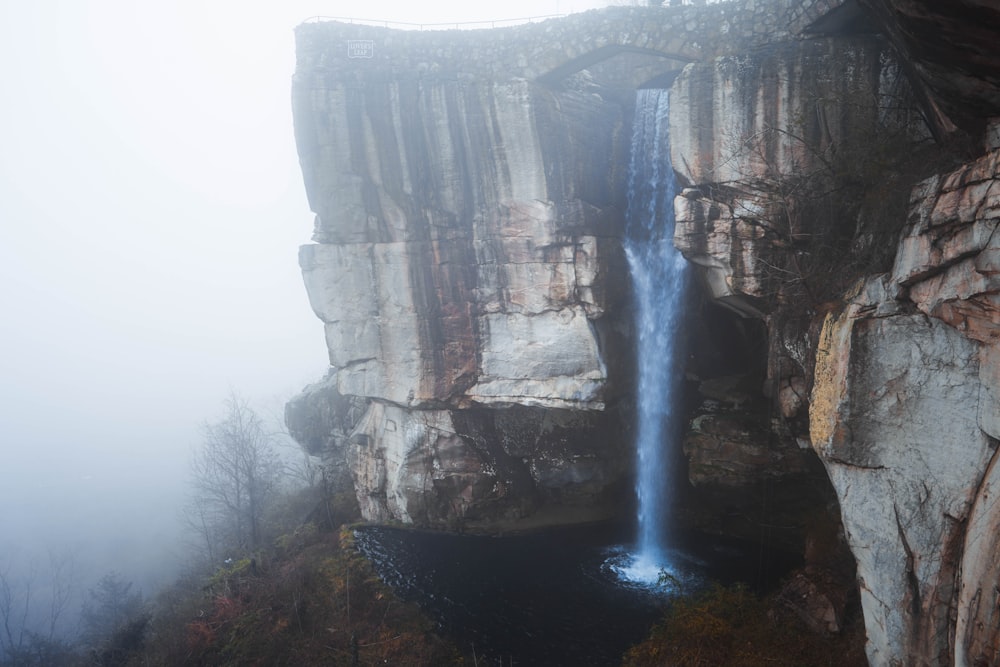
pixel 554 597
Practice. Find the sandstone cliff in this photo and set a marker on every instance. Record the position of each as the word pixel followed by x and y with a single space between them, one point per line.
pixel 466 258
pixel 468 266
pixel 891 380
pixel 838 201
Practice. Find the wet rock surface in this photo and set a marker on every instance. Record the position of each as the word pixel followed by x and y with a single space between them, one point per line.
pixel 469 273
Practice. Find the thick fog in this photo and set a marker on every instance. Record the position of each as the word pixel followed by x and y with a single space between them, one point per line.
pixel 151 206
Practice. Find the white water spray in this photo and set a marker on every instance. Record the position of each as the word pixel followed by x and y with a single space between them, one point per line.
pixel 659 277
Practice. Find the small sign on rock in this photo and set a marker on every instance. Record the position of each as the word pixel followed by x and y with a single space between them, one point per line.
pixel 360 48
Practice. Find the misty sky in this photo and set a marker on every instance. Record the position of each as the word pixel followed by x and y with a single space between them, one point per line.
pixel 151 206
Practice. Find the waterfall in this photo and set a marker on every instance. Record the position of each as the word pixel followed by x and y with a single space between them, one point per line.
pixel 659 278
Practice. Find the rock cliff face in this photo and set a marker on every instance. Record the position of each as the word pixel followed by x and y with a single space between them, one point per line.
pixel 466 258
pixel 905 418
pixel 951 49
pixel 469 273
pixel 469 198
pixel 891 380
pixel 443 239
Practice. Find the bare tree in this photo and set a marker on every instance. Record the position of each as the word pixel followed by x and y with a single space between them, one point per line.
pixel 202 523
pixel 235 478
pixel 15 606
pixel 32 608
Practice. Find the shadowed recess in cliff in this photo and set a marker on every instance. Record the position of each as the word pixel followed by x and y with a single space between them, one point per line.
pixel 659 277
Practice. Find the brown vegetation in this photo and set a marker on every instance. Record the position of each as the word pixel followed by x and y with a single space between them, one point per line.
pixel 314 600
pixel 732 626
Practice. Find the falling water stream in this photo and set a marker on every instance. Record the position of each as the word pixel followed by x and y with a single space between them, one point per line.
pixel 659 277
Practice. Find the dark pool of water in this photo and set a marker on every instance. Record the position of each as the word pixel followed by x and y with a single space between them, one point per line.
pixel 550 598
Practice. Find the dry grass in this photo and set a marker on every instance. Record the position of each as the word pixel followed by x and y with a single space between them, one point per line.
pixel 313 601
pixel 730 626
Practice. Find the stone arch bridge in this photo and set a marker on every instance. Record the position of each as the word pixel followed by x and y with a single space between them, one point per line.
pixel 623 46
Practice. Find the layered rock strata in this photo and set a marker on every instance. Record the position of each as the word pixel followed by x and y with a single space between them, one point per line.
pixel 905 417
pixel 466 257
pixel 897 378
pixel 468 272
pixel 758 141
pixel 468 191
